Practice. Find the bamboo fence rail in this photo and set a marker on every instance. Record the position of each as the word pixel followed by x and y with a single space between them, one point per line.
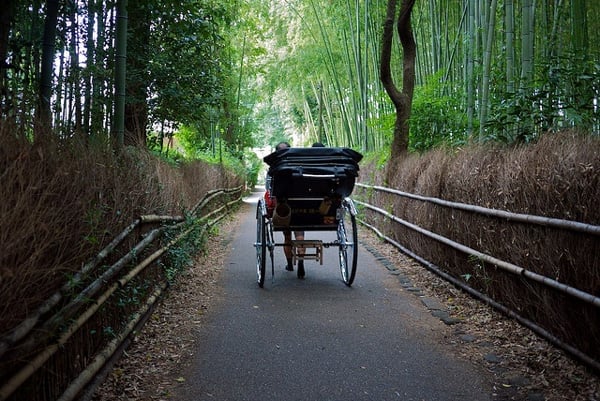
pixel 509 267
pixel 524 218
pixel 25 327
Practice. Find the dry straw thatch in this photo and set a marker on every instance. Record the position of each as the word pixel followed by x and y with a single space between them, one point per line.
pixel 63 200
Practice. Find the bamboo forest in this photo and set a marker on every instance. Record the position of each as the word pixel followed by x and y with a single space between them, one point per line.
pixel 241 74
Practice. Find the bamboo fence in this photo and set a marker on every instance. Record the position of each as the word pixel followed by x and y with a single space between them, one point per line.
pixel 550 283
pixel 45 341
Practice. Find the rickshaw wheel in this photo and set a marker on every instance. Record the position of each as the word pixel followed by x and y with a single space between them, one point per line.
pixel 261 243
pixel 348 241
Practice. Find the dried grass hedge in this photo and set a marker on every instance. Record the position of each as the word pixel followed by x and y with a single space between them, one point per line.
pixel 62 201
pixel 558 177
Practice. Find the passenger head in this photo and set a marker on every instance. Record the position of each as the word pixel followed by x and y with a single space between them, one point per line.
pixel 282 145
pixel 318 145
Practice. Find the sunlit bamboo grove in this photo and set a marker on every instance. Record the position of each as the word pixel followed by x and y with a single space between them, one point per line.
pixel 249 73
pixel 505 70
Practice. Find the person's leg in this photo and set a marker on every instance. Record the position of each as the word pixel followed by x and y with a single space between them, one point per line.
pixel 299 235
pixel 287 250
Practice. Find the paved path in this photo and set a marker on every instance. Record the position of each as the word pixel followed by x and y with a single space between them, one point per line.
pixel 317 339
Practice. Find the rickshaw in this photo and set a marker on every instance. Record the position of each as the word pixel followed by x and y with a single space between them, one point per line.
pixel 311 188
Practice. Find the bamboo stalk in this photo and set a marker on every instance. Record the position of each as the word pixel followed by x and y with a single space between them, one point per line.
pixel 487 63
pixel 153 218
pixel 41 358
pixel 520 217
pixel 205 202
pixel 239 188
pixel 146 262
pixel 14 382
pixel 205 199
pixel 214 212
pixel 88 293
pixel 222 216
pixel 29 323
pixel 233 202
pixel 92 369
pixel 509 267
pixel 106 277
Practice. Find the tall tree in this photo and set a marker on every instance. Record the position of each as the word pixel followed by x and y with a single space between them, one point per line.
pixel 527 39
pixel 90 60
pixel 509 23
pixel 74 74
pixel 6 17
pixel 99 103
pixel 43 118
pixel 527 59
pixel 120 70
pixel 487 65
pixel 470 62
pixel 138 81
pixel 402 100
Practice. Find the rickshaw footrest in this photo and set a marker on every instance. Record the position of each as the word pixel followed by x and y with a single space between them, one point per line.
pixel 306 246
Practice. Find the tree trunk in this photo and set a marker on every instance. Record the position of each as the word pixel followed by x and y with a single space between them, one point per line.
pixel 75 75
pixel 98 81
pixel 6 17
pixel 527 41
pixel 120 69
pixel 509 23
pixel 136 107
pixel 90 57
pixel 487 64
pixel 470 62
pixel 527 38
pixel 43 116
pixel 402 100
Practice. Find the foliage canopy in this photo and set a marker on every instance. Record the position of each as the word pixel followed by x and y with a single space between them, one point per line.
pixel 251 73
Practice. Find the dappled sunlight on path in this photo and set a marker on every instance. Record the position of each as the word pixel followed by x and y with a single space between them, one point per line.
pixel 256 194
